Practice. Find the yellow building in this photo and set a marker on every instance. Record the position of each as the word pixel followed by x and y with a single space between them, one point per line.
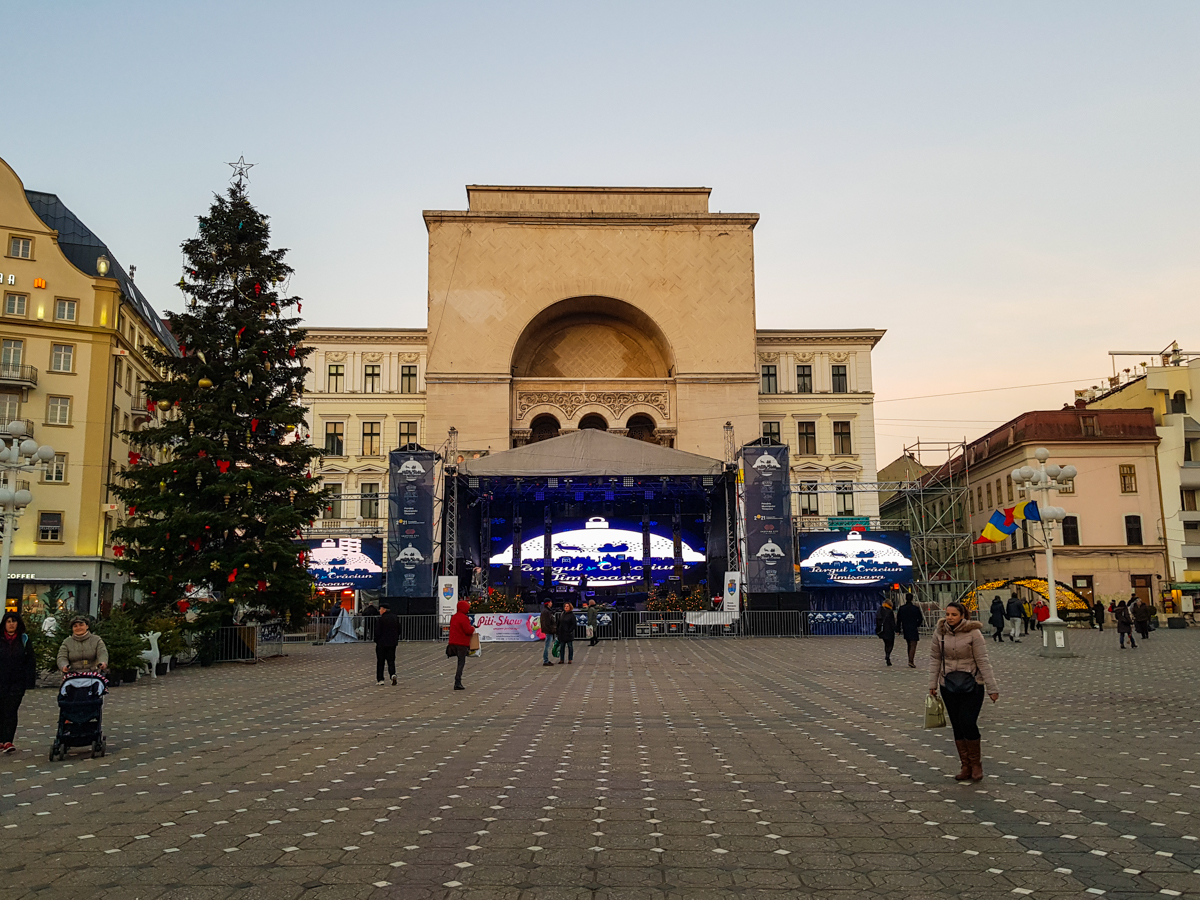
pixel 73 328
pixel 1169 388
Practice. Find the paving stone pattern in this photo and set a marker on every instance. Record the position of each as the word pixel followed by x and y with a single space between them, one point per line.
pixel 658 768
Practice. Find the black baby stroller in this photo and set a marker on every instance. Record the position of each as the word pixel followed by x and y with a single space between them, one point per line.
pixel 80 714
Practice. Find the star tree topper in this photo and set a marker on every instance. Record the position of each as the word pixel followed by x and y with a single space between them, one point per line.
pixel 241 168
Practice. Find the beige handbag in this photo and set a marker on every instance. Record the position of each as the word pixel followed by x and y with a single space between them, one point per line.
pixel 935 712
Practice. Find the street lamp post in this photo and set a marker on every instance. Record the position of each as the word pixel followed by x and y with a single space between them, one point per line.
pixel 1043 480
pixel 22 456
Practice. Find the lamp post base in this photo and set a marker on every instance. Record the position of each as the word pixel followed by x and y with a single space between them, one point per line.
pixel 1054 639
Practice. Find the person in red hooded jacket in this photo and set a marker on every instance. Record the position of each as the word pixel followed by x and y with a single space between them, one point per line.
pixel 461 630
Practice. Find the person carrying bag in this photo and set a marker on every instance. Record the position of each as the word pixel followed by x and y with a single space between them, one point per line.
pixel 959 665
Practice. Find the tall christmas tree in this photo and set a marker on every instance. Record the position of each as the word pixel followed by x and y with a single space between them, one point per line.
pixel 217 489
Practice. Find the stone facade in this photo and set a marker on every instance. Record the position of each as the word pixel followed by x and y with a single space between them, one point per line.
pixel 630 309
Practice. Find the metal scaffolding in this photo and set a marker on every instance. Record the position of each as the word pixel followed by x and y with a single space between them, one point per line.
pixel 936 507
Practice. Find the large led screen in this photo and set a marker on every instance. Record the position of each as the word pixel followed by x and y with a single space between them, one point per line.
pixel 597 550
pixel 346 563
pixel 855 558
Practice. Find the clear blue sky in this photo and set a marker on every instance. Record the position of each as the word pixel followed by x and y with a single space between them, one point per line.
pixel 946 171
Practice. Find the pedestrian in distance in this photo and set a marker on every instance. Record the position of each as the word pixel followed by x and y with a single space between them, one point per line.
pixel 1014 612
pixel 566 635
pixel 996 619
pixel 1041 612
pixel 885 629
pixel 547 625
pixel 1124 625
pixel 18 673
pixel 592 612
pixel 1026 618
pixel 910 620
pixel 82 651
pixel 959 666
pixel 1140 612
pixel 1098 615
pixel 459 643
pixel 387 636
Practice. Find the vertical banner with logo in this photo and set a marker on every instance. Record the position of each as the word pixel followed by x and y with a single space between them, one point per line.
pixel 410 523
pixel 731 596
pixel 768 505
pixel 447 595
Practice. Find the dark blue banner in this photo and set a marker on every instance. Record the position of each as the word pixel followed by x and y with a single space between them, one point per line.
pixel 411 482
pixel 340 563
pixel 767 500
pixel 855 559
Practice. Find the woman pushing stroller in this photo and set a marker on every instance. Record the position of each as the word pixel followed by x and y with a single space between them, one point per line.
pixel 82 651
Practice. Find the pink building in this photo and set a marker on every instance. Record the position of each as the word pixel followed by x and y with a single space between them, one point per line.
pixel 1112 542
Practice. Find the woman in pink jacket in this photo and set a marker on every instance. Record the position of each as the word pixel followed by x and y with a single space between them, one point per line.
pixel 959 666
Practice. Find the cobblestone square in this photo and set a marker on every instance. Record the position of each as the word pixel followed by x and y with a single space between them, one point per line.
pixel 656 768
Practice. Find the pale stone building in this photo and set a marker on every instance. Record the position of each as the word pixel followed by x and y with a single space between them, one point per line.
pixel 74 328
pixel 1169 389
pixel 553 309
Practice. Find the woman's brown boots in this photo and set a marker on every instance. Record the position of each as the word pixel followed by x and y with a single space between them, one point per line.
pixel 970 755
pixel 975 753
pixel 964 757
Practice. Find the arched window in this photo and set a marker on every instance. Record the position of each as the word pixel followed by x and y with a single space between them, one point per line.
pixel 592 420
pixel 543 428
pixel 1179 402
pixel 1070 528
pixel 641 427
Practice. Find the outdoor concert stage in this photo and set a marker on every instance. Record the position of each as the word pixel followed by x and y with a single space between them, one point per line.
pixel 618 515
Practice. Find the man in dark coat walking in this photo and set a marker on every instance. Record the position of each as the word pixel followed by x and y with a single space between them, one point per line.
pixel 910 621
pixel 1139 610
pixel 387 636
pixel 1098 614
pixel 996 619
pixel 885 628
pixel 548 624
pixel 1015 613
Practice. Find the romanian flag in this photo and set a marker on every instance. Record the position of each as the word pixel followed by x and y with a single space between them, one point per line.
pixel 1003 523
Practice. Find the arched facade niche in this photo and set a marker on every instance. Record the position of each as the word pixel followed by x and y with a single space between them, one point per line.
pixel 593 420
pixel 641 427
pixel 543 427
pixel 592 338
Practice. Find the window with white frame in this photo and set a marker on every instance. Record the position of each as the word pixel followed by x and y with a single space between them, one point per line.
pixel 368 506
pixel 65 310
pixel 808 498
pixel 845 498
pixel 62 358
pixel 16 305
pixel 58 411
pixel 55 470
